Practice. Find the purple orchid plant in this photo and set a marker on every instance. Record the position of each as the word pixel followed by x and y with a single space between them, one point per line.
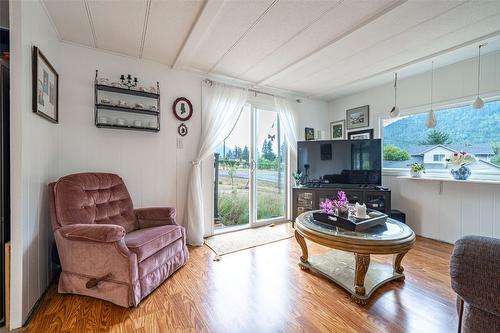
pixel 330 206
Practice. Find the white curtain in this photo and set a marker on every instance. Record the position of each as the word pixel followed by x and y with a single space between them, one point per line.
pixel 221 107
pixel 286 113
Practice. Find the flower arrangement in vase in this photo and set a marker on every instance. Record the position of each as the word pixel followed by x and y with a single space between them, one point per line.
pixel 458 162
pixel 417 169
pixel 339 206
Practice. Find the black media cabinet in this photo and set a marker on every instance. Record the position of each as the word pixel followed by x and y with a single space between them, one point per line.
pixel 308 198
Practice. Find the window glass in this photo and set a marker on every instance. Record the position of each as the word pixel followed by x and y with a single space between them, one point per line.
pixel 407 140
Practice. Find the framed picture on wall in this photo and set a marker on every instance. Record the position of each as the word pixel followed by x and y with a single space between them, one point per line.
pixel 360 135
pixel 337 130
pixel 309 134
pixel 358 117
pixel 45 86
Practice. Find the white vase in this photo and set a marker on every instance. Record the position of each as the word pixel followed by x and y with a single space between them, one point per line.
pixel 416 174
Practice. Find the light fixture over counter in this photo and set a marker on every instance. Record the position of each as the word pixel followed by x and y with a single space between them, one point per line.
pixel 394 113
pixel 479 103
pixel 431 117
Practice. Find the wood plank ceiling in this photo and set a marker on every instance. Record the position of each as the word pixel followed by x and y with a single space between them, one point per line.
pixel 314 47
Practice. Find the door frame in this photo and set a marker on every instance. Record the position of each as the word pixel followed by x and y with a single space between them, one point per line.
pixel 254 222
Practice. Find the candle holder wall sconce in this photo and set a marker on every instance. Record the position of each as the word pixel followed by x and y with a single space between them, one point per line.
pixel 128 81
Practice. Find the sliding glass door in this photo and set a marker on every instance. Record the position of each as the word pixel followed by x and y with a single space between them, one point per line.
pixel 270 168
pixel 250 187
pixel 233 176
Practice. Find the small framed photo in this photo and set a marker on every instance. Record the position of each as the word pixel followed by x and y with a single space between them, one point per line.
pixel 45 86
pixel 358 117
pixel 337 130
pixel 309 134
pixel 361 135
pixel 182 109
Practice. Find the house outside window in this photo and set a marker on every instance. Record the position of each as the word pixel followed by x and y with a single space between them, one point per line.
pixel 407 140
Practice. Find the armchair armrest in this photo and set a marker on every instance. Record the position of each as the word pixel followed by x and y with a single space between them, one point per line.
pixel 103 233
pixel 154 217
pixel 475 271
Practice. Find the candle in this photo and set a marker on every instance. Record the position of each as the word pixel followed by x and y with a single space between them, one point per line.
pixel 360 210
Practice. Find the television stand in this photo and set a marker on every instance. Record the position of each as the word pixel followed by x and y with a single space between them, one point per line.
pixel 308 198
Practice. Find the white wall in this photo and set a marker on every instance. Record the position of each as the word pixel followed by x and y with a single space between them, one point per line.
pixel 34 161
pixel 314 114
pixel 460 209
pixel 154 169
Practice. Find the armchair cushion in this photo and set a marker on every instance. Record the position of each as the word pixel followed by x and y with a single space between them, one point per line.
pixel 104 233
pixel 474 271
pixel 148 241
pixel 99 198
pixel 154 217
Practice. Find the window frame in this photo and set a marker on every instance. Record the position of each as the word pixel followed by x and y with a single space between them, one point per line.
pixel 411 111
pixel 440 157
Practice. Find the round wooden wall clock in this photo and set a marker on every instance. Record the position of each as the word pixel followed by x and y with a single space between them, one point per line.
pixel 182 108
pixel 182 130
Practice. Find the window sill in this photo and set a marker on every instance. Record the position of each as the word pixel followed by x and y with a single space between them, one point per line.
pixel 443 179
pixel 444 175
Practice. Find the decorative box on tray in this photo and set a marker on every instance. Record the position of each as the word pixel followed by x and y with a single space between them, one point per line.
pixel 351 222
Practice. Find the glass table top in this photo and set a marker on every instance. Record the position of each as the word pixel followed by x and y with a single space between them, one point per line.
pixel 391 230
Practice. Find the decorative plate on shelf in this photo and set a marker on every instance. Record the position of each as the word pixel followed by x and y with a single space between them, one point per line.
pixel 182 108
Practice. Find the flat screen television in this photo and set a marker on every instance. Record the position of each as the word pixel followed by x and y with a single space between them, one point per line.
pixel 340 162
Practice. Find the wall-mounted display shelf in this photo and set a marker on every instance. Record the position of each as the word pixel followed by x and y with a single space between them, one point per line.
pixel 134 128
pixel 119 107
pixel 126 109
pixel 127 91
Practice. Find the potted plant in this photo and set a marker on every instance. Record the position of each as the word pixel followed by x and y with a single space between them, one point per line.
pixel 458 162
pixel 417 169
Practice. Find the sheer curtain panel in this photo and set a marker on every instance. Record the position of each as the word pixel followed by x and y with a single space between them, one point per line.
pixel 221 107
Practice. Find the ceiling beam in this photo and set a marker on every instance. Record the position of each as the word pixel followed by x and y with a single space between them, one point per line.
pixel 300 61
pixel 91 22
pixel 45 9
pixel 144 28
pixel 198 31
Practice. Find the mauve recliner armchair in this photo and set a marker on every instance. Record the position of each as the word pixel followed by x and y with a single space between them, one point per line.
pixel 108 249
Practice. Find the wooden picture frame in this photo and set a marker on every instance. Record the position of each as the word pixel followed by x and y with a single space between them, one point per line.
pixel 337 130
pixel 360 135
pixel 45 87
pixel 309 133
pixel 178 108
pixel 358 117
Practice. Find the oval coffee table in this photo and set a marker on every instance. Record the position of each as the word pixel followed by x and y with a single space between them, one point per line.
pixel 350 267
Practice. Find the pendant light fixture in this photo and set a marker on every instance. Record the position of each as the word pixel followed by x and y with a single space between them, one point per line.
pixel 478 103
pixel 431 117
pixel 395 109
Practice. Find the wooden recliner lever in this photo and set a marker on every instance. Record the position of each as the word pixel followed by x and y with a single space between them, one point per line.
pixel 95 281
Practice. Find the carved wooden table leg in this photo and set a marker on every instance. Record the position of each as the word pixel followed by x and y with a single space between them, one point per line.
pixel 303 246
pixel 397 258
pixel 362 263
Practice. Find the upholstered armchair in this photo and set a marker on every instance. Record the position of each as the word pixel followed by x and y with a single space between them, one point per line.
pixel 108 249
pixel 475 277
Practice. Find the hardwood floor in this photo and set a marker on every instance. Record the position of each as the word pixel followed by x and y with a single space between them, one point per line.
pixel 263 290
